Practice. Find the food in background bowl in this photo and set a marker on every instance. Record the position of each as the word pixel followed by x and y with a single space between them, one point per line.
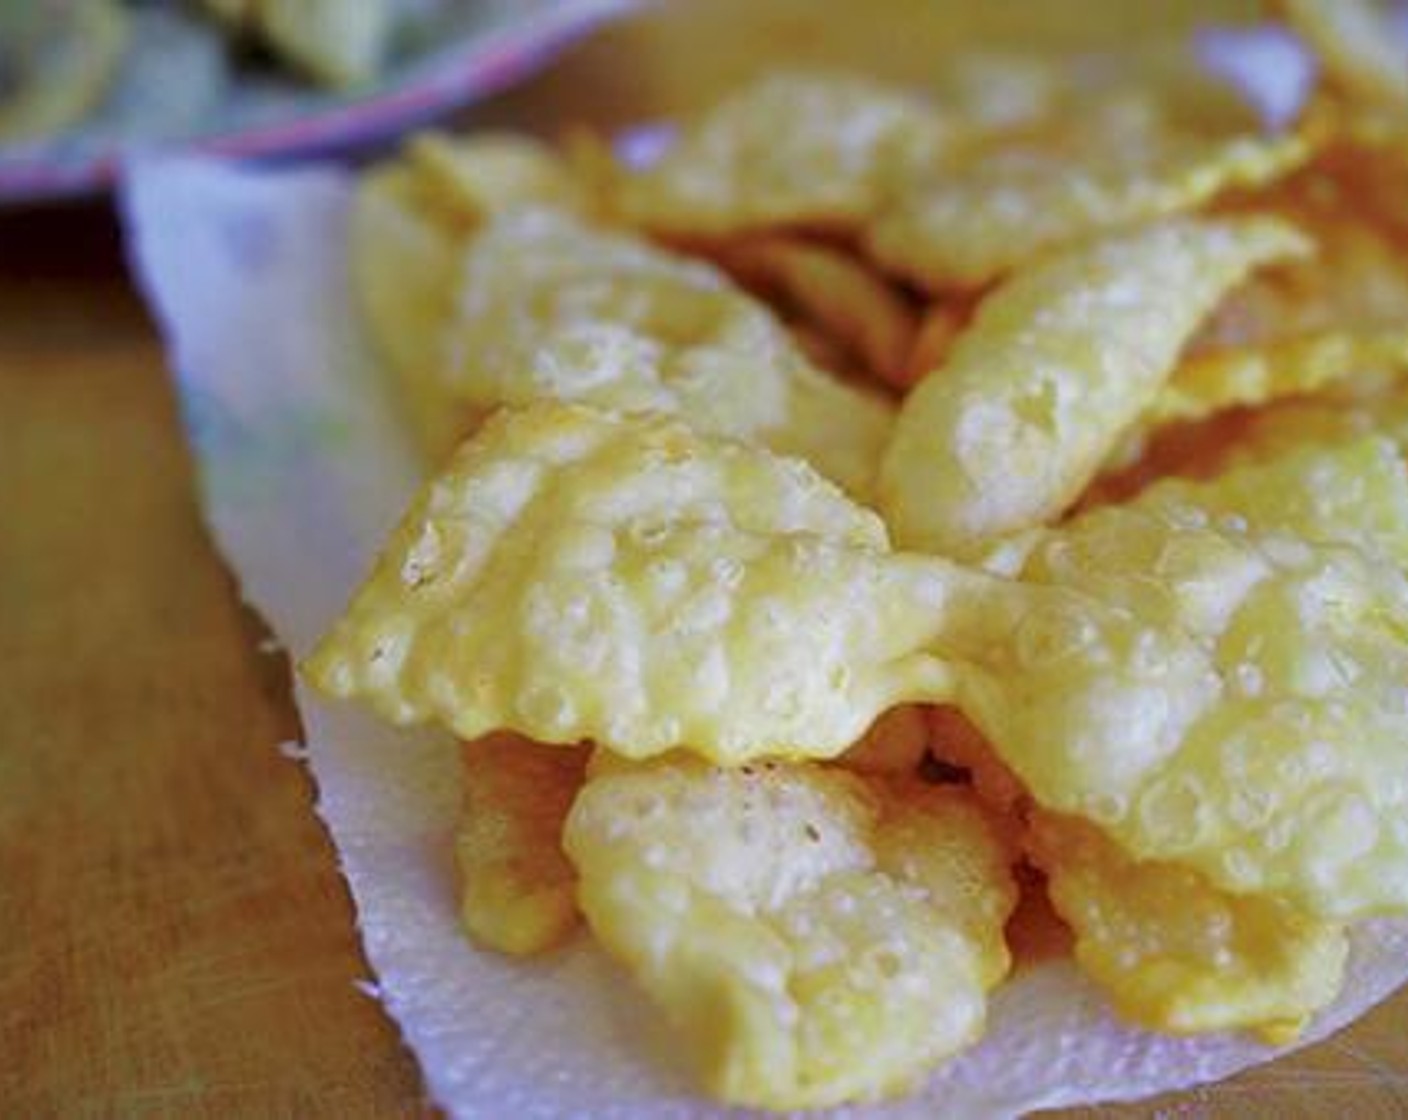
pixel 57 59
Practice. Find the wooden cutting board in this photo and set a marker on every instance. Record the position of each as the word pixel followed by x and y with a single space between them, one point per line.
pixel 177 940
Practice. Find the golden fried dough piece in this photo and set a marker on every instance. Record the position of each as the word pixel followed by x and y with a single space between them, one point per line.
pixel 578 575
pixel 490 172
pixel 411 219
pixel 1322 421
pixel 478 296
pixel 994 94
pixel 1300 325
pixel 815 938
pixel 1373 402
pixel 791 149
pixel 1363 53
pixel 401 243
pixel 454 184
pixel 1356 279
pixel 1288 368
pixel 984 217
pixel 1213 673
pixel 1253 728
pixel 945 842
pixel 835 292
pixel 546 306
pixel 1056 365
pixel 1248 722
pixel 987 91
pixel 519 891
pixel 1177 955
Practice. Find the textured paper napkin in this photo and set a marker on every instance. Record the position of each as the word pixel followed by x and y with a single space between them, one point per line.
pixel 303 468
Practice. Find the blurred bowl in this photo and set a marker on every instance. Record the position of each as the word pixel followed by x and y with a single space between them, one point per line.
pixel 178 89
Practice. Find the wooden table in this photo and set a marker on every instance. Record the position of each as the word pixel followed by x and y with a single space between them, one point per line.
pixel 177 940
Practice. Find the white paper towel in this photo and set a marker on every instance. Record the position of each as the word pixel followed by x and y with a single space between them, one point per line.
pixel 304 467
